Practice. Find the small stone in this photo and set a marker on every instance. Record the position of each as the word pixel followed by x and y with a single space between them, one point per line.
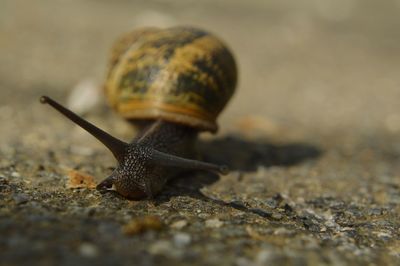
pixel 179 224
pixel 384 235
pixel 164 247
pixel 375 211
pixel 15 174
pixel 330 224
pixel 264 256
pixel 276 216
pixel 142 224
pixel 21 198
pixel 88 250
pixel 272 203
pixel 283 231
pixel 214 223
pixel 182 239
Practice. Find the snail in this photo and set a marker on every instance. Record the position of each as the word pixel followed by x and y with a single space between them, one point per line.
pixel 171 83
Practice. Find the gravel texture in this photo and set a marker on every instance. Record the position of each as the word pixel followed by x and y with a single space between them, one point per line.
pixel 312 136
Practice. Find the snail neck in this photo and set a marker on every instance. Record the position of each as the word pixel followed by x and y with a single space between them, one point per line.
pixel 167 137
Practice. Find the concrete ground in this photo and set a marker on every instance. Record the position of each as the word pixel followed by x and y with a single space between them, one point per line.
pixel 312 135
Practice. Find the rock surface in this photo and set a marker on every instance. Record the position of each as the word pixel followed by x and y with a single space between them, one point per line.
pixel 312 136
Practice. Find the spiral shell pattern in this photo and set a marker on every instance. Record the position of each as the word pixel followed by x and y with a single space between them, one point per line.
pixel 181 74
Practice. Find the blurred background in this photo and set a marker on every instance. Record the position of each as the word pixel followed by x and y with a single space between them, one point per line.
pixel 315 123
pixel 321 65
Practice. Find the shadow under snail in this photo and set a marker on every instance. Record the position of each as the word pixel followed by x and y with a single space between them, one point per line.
pixel 172 83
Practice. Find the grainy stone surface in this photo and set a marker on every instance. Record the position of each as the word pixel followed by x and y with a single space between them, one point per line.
pixel 312 136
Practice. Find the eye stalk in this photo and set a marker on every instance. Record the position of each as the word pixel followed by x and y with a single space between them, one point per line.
pixel 175 161
pixel 120 148
pixel 116 146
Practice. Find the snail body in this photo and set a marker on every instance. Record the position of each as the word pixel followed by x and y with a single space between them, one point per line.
pixel 172 83
pixel 140 172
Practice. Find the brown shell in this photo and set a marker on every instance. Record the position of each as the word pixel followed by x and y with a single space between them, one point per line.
pixel 180 74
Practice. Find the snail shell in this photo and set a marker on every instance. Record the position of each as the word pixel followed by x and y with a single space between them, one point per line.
pixel 181 74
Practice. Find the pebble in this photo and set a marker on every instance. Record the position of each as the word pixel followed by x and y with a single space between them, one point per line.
pixel 88 250
pixel 166 248
pixel 15 174
pixel 141 224
pixel 264 256
pixel 375 211
pixel 21 198
pixel 182 239
pixel 277 216
pixel 385 236
pixel 179 224
pixel 160 247
pixel 214 223
pixel 284 232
